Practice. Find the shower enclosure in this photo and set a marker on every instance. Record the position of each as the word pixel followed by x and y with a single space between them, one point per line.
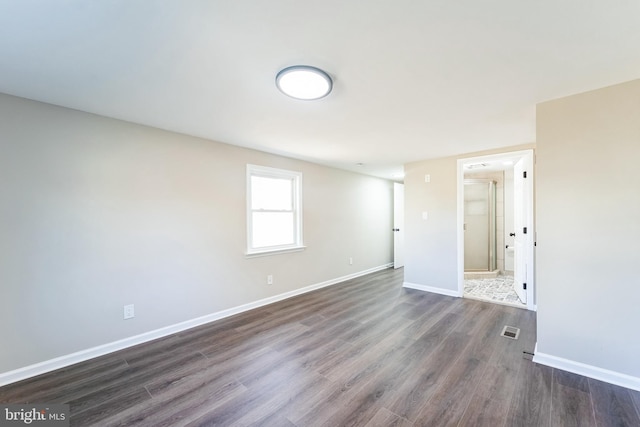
pixel 479 225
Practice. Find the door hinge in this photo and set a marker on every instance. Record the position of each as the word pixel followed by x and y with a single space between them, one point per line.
pixel 524 174
pixel 524 230
pixel 524 286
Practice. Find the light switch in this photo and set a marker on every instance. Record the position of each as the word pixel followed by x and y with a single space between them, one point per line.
pixel 425 215
pixel 427 178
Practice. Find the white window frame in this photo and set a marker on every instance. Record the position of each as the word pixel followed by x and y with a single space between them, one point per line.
pixel 296 178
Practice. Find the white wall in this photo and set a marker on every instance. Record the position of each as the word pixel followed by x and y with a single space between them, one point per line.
pixel 588 228
pixel 430 245
pixel 97 213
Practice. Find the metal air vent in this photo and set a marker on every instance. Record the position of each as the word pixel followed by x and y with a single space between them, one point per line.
pixel 510 332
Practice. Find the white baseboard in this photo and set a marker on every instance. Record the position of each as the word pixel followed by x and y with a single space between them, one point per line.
pixel 433 289
pixel 90 353
pixel 590 371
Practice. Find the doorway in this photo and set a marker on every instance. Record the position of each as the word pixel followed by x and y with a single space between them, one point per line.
pixel 398 225
pixel 508 277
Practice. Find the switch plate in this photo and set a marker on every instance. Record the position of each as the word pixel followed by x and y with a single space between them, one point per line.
pixel 270 279
pixel 350 261
pixel 427 178
pixel 129 311
pixel 425 215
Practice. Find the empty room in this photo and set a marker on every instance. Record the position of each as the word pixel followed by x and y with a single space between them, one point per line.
pixel 287 213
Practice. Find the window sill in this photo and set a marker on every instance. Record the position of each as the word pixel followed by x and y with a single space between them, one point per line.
pixel 267 252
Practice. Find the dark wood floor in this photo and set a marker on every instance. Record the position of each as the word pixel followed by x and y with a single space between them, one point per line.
pixel 362 353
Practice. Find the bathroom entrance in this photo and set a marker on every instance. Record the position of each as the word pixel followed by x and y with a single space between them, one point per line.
pixel 495 220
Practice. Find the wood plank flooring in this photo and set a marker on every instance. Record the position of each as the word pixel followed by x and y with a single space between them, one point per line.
pixel 361 353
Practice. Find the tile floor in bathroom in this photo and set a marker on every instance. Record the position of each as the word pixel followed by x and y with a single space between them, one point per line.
pixel 498 290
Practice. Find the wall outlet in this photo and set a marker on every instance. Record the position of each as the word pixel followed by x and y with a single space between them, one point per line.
pixel 350 261
pixel 270 279
pixel 129 311
pixel 427 178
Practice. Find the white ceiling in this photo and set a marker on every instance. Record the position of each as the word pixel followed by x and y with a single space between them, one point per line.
pixel 412 79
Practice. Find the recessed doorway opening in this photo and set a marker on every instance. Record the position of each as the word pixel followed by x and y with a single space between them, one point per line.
pixel 495 228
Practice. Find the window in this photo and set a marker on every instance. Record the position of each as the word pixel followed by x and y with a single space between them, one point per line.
pixel 274 202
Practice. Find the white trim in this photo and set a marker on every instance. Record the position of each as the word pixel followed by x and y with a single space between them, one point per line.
pixel 460 224
pixel 590 371
pixel 274 252
pixel 433 289
pixel 90 353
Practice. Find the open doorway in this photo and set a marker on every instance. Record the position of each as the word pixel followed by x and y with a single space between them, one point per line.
pixel 398 225
pixel 495 228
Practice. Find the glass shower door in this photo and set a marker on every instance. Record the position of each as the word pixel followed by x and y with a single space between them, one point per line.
pixel 479 225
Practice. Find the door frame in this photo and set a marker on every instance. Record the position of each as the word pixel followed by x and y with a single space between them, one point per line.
pixel 530 241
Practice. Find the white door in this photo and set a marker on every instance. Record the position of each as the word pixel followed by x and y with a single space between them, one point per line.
pixel 398 225
pixel 520 222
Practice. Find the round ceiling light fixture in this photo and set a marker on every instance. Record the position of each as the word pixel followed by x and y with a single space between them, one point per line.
pixel 304 82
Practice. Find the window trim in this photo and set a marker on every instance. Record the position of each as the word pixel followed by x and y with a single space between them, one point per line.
pixel 269 172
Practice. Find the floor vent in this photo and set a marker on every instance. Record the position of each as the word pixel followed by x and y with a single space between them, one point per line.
pixel 510 332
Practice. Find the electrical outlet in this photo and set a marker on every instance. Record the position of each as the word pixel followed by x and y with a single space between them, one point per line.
pixel 129 311
pixel 350 261
pixel 270 279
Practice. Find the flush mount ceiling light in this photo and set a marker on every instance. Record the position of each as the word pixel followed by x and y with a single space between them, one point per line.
pixel 304 82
